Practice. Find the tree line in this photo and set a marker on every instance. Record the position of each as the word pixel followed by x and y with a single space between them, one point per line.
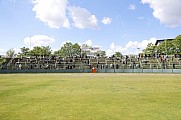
pixel 67 50
pixel 70 50
pixel 168 47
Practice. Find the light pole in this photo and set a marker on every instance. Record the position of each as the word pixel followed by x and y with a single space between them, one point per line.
pixel 30 42
pixel 165 46
pixel 138 51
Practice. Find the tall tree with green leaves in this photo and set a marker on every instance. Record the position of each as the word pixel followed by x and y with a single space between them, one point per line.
pixel 69 50
pixel 85 50
pixel 150 49
pixel 57 53
pixel 24 52
pixel 10 53
pixel 100 53
pixel 41 51
pixel 167 47
pixel 66 49
pixel 76 49
pixel 117 54
pixel 2 60
pixel 177 44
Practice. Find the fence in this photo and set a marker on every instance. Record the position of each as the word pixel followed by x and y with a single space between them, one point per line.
pixel 175 71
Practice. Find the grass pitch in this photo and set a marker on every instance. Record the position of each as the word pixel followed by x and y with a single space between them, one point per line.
pixel 90 96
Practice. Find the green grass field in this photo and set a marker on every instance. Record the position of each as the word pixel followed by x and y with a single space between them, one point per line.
pixel 90 96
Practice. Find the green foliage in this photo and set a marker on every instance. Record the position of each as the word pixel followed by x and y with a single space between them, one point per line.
pixel 66 49
pixel 40 51
pixel 85 50
pixel 2 60
pixel 69 50
pixel 76 49
pixel 10 53
pixel 177 44
pixel 117 54
pixel 90 96
pixel 100 53
pixel 150 49
pixel 168 47
pixel 57 53
pixel 24 52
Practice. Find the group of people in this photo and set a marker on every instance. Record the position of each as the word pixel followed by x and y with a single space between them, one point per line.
pixel 53 62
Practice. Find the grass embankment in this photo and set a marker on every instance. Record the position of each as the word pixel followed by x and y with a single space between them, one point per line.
pixel 90 96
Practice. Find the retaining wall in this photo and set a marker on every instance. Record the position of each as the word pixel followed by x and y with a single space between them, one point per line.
pixel 178 71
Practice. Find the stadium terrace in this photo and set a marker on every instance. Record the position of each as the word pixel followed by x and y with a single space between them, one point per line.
pixel 162 57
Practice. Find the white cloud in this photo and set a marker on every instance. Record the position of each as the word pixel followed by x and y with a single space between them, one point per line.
pixel 106 20
pixel 17 50
pixel 82 18
pixel 38 40
pixel 63 43
pixel 52 12
pixel 167 11
pixel 132 47
pixel 132 7
pixel 114 48
pixel 2 51
pixel 89 42
pixel 55 14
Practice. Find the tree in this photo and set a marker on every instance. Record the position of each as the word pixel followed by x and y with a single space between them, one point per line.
pixel 2 60
pixel 150 49
pixel 41 51
pixel 177 44
pixel 167 47
pixel 57 53
pixel 69 50
pixel 117 54
pixel 76 50
pixel 85 50
pixel 66 49
pixel 102 53
pixel 24 51
pixel 10 53
pixel 46 50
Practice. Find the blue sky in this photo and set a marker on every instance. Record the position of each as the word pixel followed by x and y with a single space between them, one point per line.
pixel 114 25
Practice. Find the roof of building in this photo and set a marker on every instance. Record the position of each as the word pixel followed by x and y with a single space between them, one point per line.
pixel 160 41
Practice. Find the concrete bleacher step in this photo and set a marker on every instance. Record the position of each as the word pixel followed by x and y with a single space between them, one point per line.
pixel 84 63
